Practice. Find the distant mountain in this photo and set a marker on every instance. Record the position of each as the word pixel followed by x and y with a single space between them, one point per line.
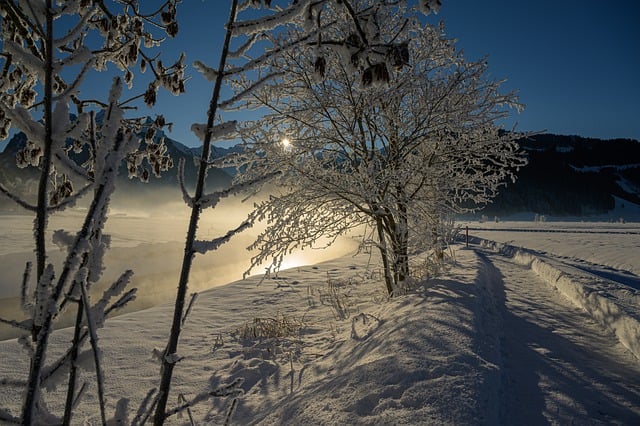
pixel 572 176
pixel 26 180
pixel 566 176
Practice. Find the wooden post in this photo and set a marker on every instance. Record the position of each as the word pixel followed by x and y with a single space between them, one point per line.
pixel 467 233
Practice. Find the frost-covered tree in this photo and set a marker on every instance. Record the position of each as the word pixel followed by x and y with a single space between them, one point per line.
pixel 251 42
pixel 48 47
pixel 392 137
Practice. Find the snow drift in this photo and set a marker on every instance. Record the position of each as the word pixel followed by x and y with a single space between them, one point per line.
pixel 610 304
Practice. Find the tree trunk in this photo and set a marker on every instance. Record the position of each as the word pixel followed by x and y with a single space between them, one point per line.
pixel 401 245
pixel 388 275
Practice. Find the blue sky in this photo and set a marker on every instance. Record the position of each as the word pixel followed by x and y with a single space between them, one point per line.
pixel 574 63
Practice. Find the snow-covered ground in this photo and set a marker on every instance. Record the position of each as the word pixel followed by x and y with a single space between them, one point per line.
pixel 602 243
pixel 493 340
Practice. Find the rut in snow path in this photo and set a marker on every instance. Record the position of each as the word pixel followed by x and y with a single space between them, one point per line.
pixel 559 366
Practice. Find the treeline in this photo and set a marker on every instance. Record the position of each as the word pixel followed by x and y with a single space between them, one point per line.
pixel 571 176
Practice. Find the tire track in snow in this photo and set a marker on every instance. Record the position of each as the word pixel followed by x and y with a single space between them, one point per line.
pixel 559 366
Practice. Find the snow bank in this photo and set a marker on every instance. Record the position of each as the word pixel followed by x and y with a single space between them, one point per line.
pixel 430 357
pixel 611 305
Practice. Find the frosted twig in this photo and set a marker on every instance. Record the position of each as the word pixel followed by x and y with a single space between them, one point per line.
pixel 270 22
pixel 36 11
pixel 73 358
pixel 73 87
pixel 207 72
pixel 151 408
pixel 99 309
pixel 93 338
pixel 80 55
pixel 24 289
pixel 212 199
pixel 71 165
pixel 17 199
pixel 220 131
pixel 202 247
pixel 70 201
pixel 20 55
pixel 244 48
pixel 50 371
pixel 185 194
pixel 183 399
pixel 232 389
pixel 174 336
pixel 185 405
pixel 18 15
pixel 231 411
pixel 120 303
pixel 254 63
pixel 93 217
pixel 23 120
pixel 255 86
pixel 42 298
pixel 229 160
pixel 76 30
pixel 23 325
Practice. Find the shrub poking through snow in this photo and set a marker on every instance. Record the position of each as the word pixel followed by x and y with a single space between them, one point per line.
pixel 336 294
pixel 270 327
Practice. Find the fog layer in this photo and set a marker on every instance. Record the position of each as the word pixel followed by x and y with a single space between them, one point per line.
pixel 148 239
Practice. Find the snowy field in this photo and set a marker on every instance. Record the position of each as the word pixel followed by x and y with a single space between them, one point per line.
pixel 615 246
pixel 490 341
pixel 607 245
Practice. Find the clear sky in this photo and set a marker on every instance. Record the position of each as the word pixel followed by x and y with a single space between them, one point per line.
pixel 574 63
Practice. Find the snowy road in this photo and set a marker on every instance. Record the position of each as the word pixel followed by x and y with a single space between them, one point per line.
pixel 559 366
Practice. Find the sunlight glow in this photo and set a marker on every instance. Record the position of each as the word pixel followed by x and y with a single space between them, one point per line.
pixel 293 261
pixel 286 142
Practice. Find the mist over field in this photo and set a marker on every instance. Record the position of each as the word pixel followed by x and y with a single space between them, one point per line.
pixel 147 236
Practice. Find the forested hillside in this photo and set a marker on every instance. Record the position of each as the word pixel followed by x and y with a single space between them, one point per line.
pixel 572 176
